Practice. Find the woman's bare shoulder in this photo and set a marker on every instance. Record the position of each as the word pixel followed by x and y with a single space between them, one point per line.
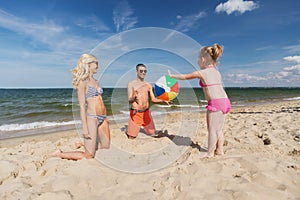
pixel 82 84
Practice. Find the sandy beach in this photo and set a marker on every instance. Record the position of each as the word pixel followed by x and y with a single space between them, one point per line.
pixel 261 161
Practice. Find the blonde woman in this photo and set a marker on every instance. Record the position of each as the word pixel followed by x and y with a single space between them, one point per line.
pixel 218 102
pixel 92 110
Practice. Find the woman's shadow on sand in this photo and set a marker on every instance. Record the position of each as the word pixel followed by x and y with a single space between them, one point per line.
pixel 176 139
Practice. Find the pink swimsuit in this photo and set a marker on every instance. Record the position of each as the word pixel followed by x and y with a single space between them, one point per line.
pixel 222 104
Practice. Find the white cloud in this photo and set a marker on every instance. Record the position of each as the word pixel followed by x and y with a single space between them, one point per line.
pixel 60 51
pixel 292 68
pixel 239 6
pixel 273 73
pixel 186 23
pixel 123 16
pixel 295 59
pixel 242 78
pixel 287 76
pixel 293 48
pixel 93 23
pixel 42 30
pixel 279 75
pixel 46 32
pixel 264 48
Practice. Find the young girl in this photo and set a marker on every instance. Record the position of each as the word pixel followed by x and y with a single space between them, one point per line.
pixel 93 116
pixel 218 102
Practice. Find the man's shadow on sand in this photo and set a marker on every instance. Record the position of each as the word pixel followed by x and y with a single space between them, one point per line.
pixel 178 140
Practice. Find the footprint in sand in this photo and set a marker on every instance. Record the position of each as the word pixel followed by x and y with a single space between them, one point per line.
pixel 8 170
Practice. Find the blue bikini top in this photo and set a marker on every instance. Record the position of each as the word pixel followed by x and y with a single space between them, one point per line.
pixel 93 92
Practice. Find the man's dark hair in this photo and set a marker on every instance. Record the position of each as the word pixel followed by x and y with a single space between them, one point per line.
pixel 138 65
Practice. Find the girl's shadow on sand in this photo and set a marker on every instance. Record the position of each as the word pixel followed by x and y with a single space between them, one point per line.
pixel 181 140
pixel 178 140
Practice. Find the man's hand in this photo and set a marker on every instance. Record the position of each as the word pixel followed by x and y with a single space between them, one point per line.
pixel 167 102
pixel 134 98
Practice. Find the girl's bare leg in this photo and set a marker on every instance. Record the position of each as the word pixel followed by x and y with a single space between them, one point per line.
pixel 215 121
pixel 212 136
pixel 220 134
pixel 104 135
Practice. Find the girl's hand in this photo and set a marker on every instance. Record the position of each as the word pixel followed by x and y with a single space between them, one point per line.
pixel 169 72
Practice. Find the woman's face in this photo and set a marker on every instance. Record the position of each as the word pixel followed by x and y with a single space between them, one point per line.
pixel 93 67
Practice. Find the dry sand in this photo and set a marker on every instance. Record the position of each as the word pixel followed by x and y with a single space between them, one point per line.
pixel 261 161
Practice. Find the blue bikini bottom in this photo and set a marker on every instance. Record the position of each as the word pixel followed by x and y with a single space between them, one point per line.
pixel 100 118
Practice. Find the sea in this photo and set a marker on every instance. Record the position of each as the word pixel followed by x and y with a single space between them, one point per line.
pixel 37 111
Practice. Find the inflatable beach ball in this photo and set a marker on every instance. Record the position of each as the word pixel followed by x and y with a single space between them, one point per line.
pixel 166 88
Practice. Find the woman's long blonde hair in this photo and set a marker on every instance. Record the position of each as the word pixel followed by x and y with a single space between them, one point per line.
pixel 82 71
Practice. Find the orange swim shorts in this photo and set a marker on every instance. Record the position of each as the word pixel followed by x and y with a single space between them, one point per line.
pixel 138 119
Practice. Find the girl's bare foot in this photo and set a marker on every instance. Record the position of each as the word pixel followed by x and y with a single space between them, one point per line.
pixel 219 153
pixel 206 155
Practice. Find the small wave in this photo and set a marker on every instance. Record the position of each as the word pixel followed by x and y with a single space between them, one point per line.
pixel 33 125
pixel 124 112
pixel 292 99
pixel 34 114
pixel 118 117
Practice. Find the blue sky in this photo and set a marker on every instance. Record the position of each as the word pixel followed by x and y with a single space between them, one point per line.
pixel 40 41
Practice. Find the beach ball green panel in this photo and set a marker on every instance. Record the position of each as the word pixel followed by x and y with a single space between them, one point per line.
pixel 170 81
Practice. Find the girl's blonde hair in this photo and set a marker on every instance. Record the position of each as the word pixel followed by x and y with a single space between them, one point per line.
pixel 81 72
pixel 212 53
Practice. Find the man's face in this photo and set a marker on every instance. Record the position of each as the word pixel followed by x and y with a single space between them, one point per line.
pixel 141 72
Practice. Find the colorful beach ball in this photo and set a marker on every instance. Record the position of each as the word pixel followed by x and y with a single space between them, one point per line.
pixel 166 88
